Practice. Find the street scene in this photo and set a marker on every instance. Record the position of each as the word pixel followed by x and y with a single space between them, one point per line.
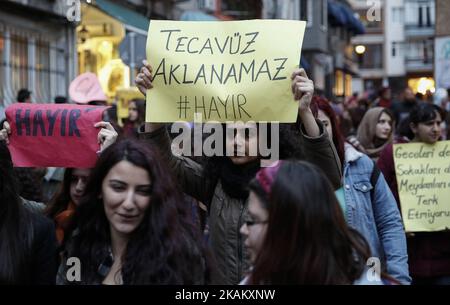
pixel 225 142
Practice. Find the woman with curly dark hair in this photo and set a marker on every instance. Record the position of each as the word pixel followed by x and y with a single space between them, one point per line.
pixel 131 226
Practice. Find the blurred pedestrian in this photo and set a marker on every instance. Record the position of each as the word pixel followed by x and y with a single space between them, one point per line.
pixel 24 96
pixel 384 98
pixel 136 117
pixel 402 108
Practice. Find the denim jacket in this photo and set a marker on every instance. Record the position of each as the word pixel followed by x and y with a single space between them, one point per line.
pixel 379 221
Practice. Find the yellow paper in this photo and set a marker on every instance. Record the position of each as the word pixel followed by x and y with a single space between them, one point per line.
pixel 423 177
pixel 225 71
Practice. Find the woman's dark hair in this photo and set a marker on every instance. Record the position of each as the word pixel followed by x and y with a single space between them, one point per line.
pixel 16 231
pixel 424 112
pixel 235 178
pixel 164 249
pixel 61 199
pixel 320 103
pixel 307 239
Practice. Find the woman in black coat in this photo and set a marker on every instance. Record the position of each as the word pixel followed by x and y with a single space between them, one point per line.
pixel 27 239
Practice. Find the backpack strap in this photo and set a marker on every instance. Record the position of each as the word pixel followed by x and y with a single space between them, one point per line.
pixel 373 179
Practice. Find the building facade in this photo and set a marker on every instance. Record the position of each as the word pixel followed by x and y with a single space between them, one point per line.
pixel 399 45
pixel 37 49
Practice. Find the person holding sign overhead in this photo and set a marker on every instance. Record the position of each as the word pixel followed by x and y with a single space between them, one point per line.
pixel 63 204
pixel 222 182
pixel 429 252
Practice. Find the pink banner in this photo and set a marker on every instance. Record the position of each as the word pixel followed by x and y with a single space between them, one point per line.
pixel 59 135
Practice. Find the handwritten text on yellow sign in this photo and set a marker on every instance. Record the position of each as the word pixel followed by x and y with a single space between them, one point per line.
pixel 423 178
pixel 226 71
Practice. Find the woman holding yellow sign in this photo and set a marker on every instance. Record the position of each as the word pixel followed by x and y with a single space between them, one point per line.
pixel 222 182
pixel 428 252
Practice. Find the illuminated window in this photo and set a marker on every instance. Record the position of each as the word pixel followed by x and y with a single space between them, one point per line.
pixel 421 85
pixel 348 85
pixel 19 62
pixel 339 83
pixel 42 71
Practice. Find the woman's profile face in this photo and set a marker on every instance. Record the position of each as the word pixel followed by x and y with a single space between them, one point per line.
pixel 126 192
pixel 321 116
pixel 254 229
pixel 384 127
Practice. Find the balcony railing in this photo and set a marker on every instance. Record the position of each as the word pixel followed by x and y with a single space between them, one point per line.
pixel 419 63
pixel 419 30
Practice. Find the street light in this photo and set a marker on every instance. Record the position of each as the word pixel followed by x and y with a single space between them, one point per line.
pixel 83 34
pixel 360 49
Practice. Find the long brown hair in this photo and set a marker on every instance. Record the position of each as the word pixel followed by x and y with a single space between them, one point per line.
pixel 61 199
pixel 320 103
pixel 307 239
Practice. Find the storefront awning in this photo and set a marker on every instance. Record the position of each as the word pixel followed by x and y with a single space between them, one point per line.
pixel 341 15
pixel 335 14
pixel 352 22
pixel 131 20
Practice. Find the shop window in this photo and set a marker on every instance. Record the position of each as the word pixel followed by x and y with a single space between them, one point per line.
pixel 372 58
pixel 338 83
pixel 42 71
pixel 422 85
pixel 306 12
pixel 19 62
pixel 348 85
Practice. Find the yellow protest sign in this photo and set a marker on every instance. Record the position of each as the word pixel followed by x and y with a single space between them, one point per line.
pixel 423 178
pixel 224 71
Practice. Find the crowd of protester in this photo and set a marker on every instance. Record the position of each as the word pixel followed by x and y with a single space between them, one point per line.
pixel 144 215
